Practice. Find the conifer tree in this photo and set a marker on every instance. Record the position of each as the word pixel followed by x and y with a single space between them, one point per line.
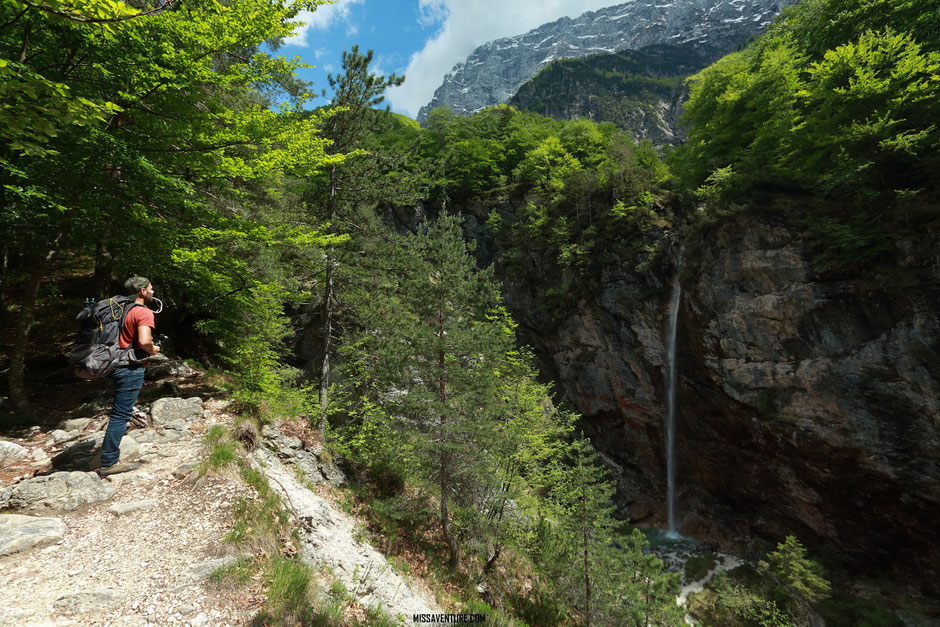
pixel 357 91
pixel 430 364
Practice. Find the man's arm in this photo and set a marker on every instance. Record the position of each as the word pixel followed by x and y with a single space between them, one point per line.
pixel 145 340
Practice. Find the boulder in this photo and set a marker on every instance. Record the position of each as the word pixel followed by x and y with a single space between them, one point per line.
pixel 90 601
pixel 169 368
pixel 170 410
pixel 277 440
pixel 151 435
pixel 58 492
pixel 86 455
pixel 11 452
pixel 59 436
pixel 317 469
pixel 74 424
pixel 94 407
pixel 184 469
pixel 19 533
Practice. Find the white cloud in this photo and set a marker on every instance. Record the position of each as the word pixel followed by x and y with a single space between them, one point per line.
pixel 322 19
pixel 466 24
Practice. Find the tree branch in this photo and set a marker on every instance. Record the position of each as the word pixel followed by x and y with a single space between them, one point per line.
pixel 15 18
pixel 75 17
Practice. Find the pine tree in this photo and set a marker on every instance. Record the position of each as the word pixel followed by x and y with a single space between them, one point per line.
pixel 429 361
pixel 356 92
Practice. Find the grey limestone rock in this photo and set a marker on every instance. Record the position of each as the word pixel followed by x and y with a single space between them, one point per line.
pixel 86 454
pixel 280 441
pixel 172 410
pixel 19 533
pixel 151 435
pixel 120 509
pixel 494 71
pixel 204 569
pixel 169 368
pixel 74 424
pixel 183 470
pixel 88 601
pixel 59 436
pixel 11 452
pixel 58 492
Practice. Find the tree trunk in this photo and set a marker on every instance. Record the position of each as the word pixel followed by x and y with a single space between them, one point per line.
pixel 445 516
pixel 587 571
pixel 38 265
pixel 4 269
pixel 490 562
pixel 445 457
pixel 327 315
pixel 104 265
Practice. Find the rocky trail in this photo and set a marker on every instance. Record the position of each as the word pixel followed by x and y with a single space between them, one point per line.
pixel 139 548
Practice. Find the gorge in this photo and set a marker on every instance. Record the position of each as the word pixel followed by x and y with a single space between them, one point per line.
pixel 807 400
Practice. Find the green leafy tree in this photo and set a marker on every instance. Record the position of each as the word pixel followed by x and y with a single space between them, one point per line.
pixel 838 97
pixel 123 145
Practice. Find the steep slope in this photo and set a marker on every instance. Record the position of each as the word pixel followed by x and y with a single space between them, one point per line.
pixel 496 70
pixel 641 91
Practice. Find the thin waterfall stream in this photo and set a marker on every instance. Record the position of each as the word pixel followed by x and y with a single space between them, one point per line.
pixel 671 405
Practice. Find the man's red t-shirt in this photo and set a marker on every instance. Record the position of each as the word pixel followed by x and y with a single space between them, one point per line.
pixel 136 317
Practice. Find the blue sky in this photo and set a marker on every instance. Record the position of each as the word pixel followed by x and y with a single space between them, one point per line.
pixel 422 39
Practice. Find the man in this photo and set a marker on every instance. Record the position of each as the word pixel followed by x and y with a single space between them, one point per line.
pixel 127 380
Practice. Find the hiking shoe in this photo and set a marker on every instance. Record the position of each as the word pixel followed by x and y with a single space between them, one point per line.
pixel 117 468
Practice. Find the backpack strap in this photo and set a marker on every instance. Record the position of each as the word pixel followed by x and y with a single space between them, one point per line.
pixel 127 310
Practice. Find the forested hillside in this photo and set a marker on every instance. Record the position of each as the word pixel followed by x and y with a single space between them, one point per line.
pixel 410 292
pixel 640 91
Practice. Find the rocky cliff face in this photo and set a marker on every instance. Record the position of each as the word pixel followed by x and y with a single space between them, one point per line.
pixel 496 70
pixel 806 406
pixel 640 91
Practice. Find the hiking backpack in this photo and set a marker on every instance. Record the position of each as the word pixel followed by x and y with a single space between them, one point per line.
pixel 97 351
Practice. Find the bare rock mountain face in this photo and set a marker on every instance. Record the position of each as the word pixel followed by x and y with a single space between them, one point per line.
pixel 493 73
pixel 807 400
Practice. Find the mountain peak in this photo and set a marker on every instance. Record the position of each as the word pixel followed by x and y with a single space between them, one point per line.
pixel 495 70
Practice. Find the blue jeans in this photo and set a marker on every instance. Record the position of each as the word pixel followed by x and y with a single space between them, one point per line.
pixel 127 383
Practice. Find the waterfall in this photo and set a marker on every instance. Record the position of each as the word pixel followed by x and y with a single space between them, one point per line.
pixel 671 405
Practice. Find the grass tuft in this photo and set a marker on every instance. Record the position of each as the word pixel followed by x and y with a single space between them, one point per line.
pixel 288 584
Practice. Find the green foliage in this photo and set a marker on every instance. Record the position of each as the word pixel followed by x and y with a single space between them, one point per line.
pixel 727 602
pixel 626 88
pixel 840 243
pixel 848 611
pixel 784 590
pixel 260 520
pixel 594 564
pixel 237 574
pixel 799 579
pixel 697 566
pixel 265 386
pixel 830 99
pixel 222 449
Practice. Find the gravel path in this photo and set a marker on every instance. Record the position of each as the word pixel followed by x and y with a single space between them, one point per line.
pixel 136 567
